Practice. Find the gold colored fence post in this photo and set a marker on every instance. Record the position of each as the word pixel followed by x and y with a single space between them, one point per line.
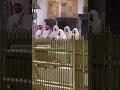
pixel 63 59
pixel 73 48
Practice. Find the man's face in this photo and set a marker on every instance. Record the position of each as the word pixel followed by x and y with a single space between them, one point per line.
pixel 55 29
pixel 74 31
pixel 17 8
pixel 66 30
pixel 59 33
pixel 47 28
pixel 91 17
pixel 40 27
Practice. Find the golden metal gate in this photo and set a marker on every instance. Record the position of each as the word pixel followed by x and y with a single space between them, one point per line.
pixel 104 60
pixel 15 59
pixel 60 65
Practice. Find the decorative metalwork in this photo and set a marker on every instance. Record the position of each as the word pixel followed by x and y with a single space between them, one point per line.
pixel 60 64
pixel 16 59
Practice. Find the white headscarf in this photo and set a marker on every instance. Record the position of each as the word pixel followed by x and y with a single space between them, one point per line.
pixel 95 23
pixel 68 33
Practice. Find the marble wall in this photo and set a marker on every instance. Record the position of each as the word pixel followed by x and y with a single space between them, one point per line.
pixel 42 13
pixel 80 6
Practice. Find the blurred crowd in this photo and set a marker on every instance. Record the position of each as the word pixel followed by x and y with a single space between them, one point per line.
pixel 21 16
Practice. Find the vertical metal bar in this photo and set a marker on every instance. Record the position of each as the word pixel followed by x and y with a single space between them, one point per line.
pixel 73 64
pixel 83 50
pixel 110 46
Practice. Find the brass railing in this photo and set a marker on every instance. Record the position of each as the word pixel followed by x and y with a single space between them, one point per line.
pixel 60 65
